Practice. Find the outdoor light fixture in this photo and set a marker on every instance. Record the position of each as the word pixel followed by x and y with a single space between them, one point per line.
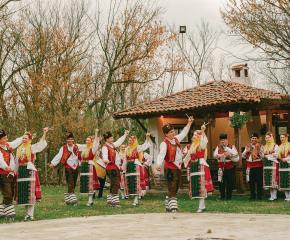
pixel 182 29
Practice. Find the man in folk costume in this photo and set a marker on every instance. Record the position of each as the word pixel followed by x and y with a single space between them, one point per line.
pixel 69 155
pixel 254 153
pixel 284 170
pixel 271 166
pixel 200 182
pixel 112 159
pixel 7 175
pixel 89 182
pixel 133 167
pixel 28 185
pixel 146 163
pixel 122 174
pixel 171 153
pixel 226 154
pixel 101 170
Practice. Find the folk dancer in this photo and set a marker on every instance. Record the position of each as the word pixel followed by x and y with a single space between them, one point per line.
pixel 122 174
pixel 28 185
pixel 101 170
pixel 7 174
pixel 146 163
pixel 89 182
pixel 111 157
pixel 254 153
pixel 284 156
pixel 200 182
pixel 171 153
pixel 226 154
pixel 69 155
pixel 271 166
pixel 132 167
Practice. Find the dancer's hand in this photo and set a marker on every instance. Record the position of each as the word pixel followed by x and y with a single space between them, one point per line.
pixel 158 168
pixel 51 166
pixel 106 161
pixel 9 169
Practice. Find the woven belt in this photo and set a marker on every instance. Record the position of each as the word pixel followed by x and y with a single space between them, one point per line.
pixel 132 174
pixel 284 169
pixel 197 173
pixel 86 174
pixel 270 168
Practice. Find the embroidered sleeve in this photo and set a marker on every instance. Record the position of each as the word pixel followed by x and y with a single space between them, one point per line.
pixel 105 153
pixel 38 147
pixel 95 146
pixel 185 150
pixel 148 159
pixel 3 164
pixel 215 153
pixel 203 142
pixel 81 147
pixel 162 153
pixel 57 158
pixel 244 154
pixel 119 142
pixel 261 151
pixel 143 147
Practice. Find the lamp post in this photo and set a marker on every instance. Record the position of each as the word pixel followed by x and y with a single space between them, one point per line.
pixel 182 29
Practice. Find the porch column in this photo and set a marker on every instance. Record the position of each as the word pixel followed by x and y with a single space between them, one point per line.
pixel 239 165
pixel 269 120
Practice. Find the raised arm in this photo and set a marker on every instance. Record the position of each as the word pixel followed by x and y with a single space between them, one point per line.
pixel 15 143
pixel 185 130
pixel 119 142
pixel 38 147
pixel 145 145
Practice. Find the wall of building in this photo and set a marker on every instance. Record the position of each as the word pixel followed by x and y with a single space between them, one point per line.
pixel 216 127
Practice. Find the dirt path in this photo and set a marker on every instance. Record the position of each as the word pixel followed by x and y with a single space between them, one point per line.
pixel 154 226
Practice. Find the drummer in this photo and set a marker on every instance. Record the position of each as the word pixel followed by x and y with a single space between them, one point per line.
pixel 101 170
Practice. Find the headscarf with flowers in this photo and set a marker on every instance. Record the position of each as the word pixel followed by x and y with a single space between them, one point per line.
pixel 196 144
pixel 87 149
pixel 269 146
pixel 25 149
pixel 129 150
pixel 284 147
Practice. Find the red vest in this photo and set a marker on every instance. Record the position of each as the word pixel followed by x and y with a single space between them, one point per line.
pixel 66 153
pixel 90 156
pixel 135 155
pixel 171 150
pixel 6 156
pixel 254 164
pixel 197 155
pixel 111 157
pixel 225 165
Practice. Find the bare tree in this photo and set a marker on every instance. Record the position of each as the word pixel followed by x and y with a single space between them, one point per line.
pixel 198 50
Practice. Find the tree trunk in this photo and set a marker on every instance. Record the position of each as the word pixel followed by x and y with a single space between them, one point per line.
pixel 239 166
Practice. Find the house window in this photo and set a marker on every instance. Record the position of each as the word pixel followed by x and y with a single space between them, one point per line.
pixel 246 72
pixel 237 73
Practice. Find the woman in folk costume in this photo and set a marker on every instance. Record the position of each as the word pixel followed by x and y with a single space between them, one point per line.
pixel 101 170
pixel 200 182
pixel 146 162
pixel 7 174
pixel 132 166
pixel 89 182
pixel 122 174
pixel 28 185
pixel 271 166
pixel 284 156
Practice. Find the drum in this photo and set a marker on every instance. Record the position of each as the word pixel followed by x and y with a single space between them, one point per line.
pixel 101 171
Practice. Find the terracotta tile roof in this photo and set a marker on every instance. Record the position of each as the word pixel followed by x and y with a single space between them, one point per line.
pixel 240 66
pixel 212 95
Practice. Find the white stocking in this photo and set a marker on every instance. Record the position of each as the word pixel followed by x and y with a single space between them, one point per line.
pixel 27 209
pixel 31 210
pixel 201 203
pixel 122 193
pixel 136 199
pixel 286 194
pixel 90 198
pixel 274 192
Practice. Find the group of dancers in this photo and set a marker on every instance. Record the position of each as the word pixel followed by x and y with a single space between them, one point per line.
pixel 127 169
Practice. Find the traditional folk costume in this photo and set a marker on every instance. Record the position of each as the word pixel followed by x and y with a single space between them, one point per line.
pixel 226 167
pixel 7 180
pixel 254 172
pixel 69 156
pixel 27 183
pixel 200 182
pixel 271 168
pixel 284 171
pixel 101 171
pixel 133 168
pixel 171 153
pixel 89 182
pixel 146 163
pixel 122 176
pixel 109 152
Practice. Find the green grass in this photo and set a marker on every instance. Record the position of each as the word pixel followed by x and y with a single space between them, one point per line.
pixel 53 206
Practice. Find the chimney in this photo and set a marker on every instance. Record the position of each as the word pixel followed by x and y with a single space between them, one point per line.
pixel 240 74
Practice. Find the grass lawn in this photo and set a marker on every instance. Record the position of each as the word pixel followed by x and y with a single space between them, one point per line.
pixel 53 206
